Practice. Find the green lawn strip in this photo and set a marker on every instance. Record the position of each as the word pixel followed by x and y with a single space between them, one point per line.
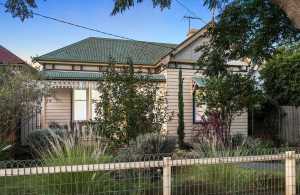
pixel 227 178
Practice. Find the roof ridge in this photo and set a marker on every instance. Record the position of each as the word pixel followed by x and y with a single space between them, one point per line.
pixel 154 42
pixel 63 48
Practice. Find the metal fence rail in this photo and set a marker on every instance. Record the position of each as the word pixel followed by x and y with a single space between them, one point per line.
pixel 263 174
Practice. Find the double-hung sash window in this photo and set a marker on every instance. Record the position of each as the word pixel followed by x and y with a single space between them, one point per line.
pixel 85 104
pixel 79 104
pixel 95 101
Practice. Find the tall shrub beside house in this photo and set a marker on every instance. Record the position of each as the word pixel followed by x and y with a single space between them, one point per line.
pixel 180 128
pixel 20 95
pixel 225 94
pixel 129 105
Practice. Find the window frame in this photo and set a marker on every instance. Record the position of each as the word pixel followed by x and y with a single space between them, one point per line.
pixel 93 102
pixel 86 104
pixel 194 107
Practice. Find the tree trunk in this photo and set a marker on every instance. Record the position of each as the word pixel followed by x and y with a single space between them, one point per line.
pixel 292 10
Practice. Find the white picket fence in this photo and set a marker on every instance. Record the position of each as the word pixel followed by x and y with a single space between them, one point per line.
pixel 167 165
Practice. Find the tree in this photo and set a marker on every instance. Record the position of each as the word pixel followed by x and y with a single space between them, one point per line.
pixel 227 96
pixel 281 76
pixel 20 96
pixel 180 128
pixel 130 105
pixel 246 29
pixel 20 8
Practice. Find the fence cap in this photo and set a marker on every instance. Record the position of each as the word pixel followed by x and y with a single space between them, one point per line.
pixel 290 154
pixel 167 158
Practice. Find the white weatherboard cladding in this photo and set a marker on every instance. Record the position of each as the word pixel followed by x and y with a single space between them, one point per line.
pixel 58 107
pixel 239 124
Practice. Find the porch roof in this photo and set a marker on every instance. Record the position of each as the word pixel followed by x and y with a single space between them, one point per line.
pixel 86 76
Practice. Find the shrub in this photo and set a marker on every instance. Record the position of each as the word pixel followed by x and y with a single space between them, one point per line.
pixel 148 146
pixel 130 105
pixel 238 145
pixel 41 139
pixel 145 148
pixel 62 150
pixel 66 152
pixel 21 94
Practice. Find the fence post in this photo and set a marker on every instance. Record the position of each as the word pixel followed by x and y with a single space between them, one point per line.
pixel 167 176
pixel 290 173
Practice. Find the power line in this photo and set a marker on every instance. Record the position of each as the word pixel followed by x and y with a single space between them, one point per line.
pixel 95 30
pixel 142 45
pixel 189 10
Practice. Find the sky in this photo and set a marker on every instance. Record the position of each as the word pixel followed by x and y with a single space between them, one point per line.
pixel 37 36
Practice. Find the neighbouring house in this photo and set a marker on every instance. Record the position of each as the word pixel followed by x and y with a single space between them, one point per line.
pixel 73 72
pixel 7 58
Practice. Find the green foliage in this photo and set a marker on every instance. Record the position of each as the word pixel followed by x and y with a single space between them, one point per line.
pixel 121 6
pixel 20 8
pixel 65 151
pixel 228 95
pixel 232 178
pixel 41 139
pixel 238 145
pixel 243 29
pixel 130 104
pixel 180 128
pixel 251 29
pixel 147 147
pixel 61 151
pixel 20 97
pixel 281 77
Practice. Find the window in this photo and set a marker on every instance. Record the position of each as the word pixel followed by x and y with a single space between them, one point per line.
pixel 95 100
pixel 198 108
pixel 79 105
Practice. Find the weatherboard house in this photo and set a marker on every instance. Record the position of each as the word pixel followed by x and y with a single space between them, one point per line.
pixel 74 70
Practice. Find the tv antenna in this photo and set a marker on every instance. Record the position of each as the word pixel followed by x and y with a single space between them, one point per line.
pixel 190 18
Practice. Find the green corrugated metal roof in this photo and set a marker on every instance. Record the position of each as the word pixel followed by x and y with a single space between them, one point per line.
pixel 100 50
pixel 84 76
pixel 200 81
